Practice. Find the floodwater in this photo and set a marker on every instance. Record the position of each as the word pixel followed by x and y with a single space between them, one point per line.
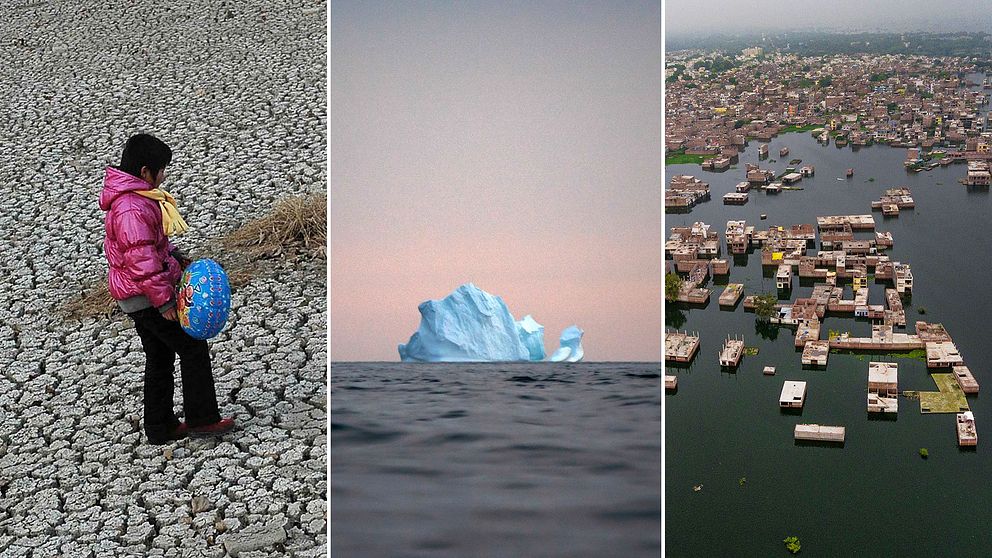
pixel 875 495
pixel 532 459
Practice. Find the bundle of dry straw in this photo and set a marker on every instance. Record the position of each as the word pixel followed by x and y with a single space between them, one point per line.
pixel 298 222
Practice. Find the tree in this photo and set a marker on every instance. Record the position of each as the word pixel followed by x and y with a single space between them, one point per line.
pixel 825 81
pixel 673 284
pixel 764 305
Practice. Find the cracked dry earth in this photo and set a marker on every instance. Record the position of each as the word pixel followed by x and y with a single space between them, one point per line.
pixel 237 89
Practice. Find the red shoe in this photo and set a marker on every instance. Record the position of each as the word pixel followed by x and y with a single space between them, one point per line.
pixel 219 427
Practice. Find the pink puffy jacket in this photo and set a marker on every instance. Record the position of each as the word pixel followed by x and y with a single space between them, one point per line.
pixel 137 250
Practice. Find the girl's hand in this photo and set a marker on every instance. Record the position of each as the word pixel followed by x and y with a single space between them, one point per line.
pixel 170 315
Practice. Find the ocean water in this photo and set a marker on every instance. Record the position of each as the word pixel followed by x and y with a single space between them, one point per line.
pixel 875 495
pixel 529 459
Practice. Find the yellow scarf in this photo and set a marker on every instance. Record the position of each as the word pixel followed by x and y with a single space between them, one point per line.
pixel 172 221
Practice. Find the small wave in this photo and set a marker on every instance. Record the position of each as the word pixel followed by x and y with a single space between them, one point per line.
pixel 652 375
pixel 627 400
pixel 410 471
pixel 609 467
pixel 649 401
pixel 518 485
pixel 530 379
pixel 455 437
pixel 357 434
pixel 537 448
pixel 434 545
pixel 647 511
pixel 458 413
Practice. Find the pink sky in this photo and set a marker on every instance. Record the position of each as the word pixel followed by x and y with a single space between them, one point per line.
pixel 514 147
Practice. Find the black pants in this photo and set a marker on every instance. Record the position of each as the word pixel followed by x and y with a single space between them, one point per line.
pixel 162 340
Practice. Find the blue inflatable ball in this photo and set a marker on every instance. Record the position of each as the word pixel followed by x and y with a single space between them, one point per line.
pixel 204 299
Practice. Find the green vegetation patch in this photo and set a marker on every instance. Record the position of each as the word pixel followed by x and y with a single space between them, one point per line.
pixel 717 64
pixel 915 354
pixel 673 285
pixel 792 544
pixel 764 305
pixel 806 128
pixel 680 158
pixel 950 398
pixel 750 351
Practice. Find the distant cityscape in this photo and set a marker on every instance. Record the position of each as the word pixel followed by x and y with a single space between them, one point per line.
pixel 715 103
pixel 849 40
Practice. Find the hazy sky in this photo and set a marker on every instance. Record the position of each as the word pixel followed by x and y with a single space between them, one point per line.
pixel 515 145
pixel 693 16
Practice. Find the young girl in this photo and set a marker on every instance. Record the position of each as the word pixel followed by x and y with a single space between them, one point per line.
pixel 144 271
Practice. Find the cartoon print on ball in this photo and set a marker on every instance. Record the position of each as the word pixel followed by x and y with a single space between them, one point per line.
pixel 205 295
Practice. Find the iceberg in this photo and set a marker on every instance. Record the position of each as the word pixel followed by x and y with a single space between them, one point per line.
pixel 470 325
pixel 531 335
pixel 570 349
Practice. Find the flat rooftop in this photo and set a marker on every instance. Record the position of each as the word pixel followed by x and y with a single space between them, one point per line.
pixel 883 373
pixel 792 392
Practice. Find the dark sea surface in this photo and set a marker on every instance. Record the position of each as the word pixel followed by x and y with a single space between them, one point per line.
pixel 875 495
pixel 515 460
